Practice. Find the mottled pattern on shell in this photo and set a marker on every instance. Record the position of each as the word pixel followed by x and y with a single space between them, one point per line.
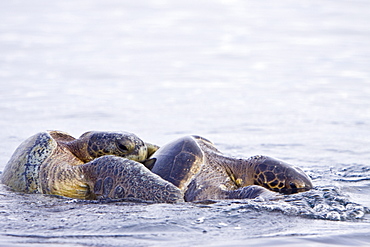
pixel 22 171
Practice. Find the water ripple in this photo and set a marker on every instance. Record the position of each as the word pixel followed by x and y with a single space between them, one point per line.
pixel 326 203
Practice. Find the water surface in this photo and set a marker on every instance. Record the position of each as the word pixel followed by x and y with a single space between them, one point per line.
pixel 284 79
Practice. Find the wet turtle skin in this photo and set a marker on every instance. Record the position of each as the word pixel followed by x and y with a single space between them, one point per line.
pixel 202 172
pixel 101 165
pixel 97 165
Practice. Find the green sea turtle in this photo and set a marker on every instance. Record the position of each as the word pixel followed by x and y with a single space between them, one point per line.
pixel 107 165
pixel 96 165
pixel 194 165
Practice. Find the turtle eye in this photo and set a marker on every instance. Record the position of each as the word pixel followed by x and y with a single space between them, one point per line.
pixel 122 146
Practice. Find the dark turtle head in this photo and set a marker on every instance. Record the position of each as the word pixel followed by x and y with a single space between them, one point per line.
pixel 279 176
pixel 94 144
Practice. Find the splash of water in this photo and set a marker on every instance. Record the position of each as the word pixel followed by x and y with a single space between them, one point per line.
pixel 326 203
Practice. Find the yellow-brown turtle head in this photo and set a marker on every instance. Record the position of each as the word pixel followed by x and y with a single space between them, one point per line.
pixel 279 176
pixel 94 144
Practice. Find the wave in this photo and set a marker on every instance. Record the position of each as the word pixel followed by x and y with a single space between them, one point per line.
pixel 326 203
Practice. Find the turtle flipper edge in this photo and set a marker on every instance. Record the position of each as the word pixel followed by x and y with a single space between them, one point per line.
pixel 115 178
pixel 250 192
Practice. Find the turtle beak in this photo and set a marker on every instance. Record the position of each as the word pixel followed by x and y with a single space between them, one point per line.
pixel 151 149
pixel 297 181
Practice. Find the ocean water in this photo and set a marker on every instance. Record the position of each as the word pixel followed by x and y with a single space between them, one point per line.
pixel 285 79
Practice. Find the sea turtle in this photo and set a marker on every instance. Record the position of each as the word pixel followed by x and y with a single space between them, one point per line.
pixel 96 165
pixel 194 165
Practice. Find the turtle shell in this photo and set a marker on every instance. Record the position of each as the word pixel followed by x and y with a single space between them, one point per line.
pixel 22 171
pixel 178 161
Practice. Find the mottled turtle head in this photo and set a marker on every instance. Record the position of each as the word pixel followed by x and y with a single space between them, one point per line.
pixel 281 177
pixel 94 144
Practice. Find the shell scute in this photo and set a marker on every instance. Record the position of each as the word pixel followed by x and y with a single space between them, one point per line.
pixel 22 171
pixel 178 161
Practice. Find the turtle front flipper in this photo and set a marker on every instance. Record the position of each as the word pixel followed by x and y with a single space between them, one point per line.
pixel 250 192
pixel 115 177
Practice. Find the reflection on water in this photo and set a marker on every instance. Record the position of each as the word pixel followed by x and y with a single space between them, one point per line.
pixel 285 79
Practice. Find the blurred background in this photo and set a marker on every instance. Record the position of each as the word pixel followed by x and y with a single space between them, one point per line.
pixel 254 77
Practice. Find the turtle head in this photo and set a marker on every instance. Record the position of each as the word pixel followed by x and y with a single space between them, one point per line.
pixel 281 177
pixel 94 144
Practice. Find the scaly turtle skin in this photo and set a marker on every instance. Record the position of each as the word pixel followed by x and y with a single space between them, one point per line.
pixel 96 165
pixel 193 164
